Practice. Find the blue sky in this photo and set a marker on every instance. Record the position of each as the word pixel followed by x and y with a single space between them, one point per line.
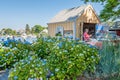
pixel 16 14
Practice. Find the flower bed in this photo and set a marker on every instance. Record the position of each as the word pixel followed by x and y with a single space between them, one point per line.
pixel 49 57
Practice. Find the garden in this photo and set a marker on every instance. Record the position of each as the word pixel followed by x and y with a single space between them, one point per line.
pixel 60 59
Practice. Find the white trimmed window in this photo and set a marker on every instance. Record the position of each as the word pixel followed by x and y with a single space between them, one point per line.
pixel 59 29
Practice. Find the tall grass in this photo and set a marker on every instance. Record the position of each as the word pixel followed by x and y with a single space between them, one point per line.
pixel 109 65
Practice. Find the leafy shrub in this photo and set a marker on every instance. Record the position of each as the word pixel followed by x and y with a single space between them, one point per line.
pixel 6 58
pixel 50 57
pixel 27 68
pixel 9 56
pixel 58 34
pixel 42 47
pixel 69 60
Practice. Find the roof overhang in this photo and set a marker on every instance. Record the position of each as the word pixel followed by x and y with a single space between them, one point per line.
pixel 116 26
pixel 115 29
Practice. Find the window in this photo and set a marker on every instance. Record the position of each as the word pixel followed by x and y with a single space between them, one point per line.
pixel 60 30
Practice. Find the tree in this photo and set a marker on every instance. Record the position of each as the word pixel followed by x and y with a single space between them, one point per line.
pixel 37 29
pixel 8 31
pixel 14 32
pixel 2 31
pixel 27 29
pixel 111 9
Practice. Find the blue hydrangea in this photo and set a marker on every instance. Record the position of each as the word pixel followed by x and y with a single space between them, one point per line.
pixel 10 46
pixel 30 58
pixel 14 70
pixel 28 62
pixel 60 44
pixel 15 77
pixel 49 40
pixel 65 51
pixel 43 62
pixel 92 56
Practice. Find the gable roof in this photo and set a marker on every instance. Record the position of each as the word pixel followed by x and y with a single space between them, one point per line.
pixel 69 14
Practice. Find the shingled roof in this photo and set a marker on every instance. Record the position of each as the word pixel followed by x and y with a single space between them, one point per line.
pixel 69 14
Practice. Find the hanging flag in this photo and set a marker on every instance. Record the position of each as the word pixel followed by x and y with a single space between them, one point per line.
pixel 99 30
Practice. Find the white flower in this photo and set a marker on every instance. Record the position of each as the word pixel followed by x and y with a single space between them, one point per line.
pixel 38 65
pixel 60 52
pixel 14 70
pixel 52 74
pixel 14 48
pixel 32 65
pixel 71 48
pixel 92 56
pixel 56 69
pixel 65 51
pixel 77 46
pixel 81 54
pixel 0 45
pixel 69 61
pixel 40 72
pixel 84 51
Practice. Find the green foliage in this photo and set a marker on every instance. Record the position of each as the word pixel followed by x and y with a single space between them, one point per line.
pixel 109 65
pixel 37 29
pixel 29 67
pixel 70 60
pixel 9 56
pixel 62 58
pixel 34 30
pixel 8 31
pixel 111 9
pixel 42 48
pixel 58 34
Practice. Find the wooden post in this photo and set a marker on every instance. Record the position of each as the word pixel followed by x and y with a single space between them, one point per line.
pixel 74 29
pixel 81 30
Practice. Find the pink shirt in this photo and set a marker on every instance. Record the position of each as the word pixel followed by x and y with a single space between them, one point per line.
pixel 86 36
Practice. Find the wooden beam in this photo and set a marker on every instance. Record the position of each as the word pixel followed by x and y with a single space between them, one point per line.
pixel 81 30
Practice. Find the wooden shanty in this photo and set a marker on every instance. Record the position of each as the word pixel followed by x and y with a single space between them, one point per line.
pixel 74 21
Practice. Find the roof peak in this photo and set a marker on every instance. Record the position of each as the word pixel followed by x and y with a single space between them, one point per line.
pixel 79 6
pixel 69 14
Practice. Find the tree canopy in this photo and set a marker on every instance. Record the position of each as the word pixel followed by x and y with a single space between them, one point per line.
pixel 111 9
pixel 37 29
pixel 27 29
pixel 8 31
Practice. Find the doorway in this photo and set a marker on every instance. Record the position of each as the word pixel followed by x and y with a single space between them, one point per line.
pixel 91 27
